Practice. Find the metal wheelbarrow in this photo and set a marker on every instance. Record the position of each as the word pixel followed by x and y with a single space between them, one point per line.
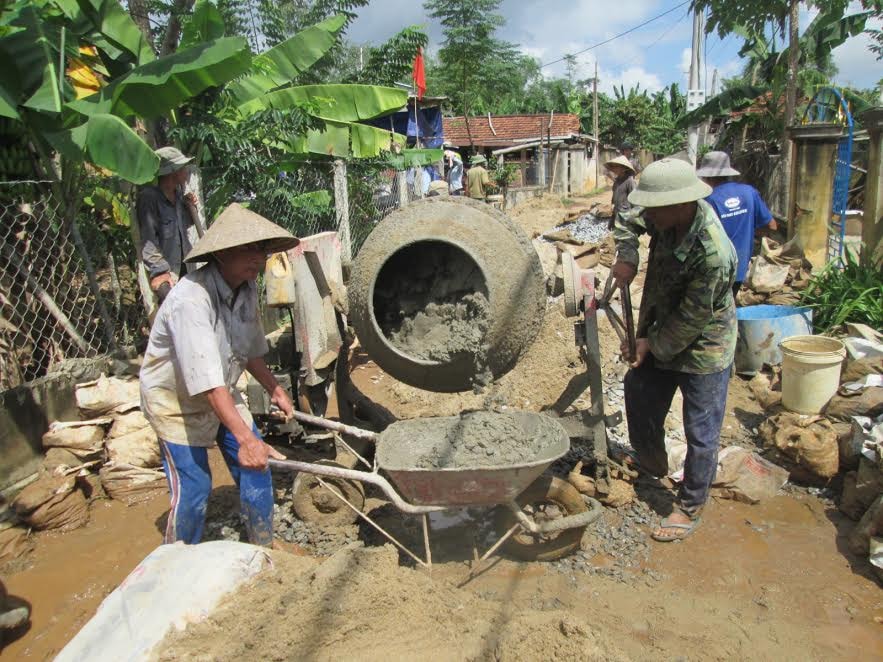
pixel 541 517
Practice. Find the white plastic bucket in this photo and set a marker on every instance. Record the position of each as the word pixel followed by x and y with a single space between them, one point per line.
pixel 810 372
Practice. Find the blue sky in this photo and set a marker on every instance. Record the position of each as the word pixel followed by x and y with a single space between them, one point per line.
pixel 653 56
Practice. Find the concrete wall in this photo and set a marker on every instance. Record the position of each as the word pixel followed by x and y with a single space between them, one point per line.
pixel 26 412
pixel 520 194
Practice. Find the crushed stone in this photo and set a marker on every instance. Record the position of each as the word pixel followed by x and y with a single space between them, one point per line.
pixel 587 228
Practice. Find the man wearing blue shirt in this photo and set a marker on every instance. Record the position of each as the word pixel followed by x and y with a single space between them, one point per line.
pixel 738 206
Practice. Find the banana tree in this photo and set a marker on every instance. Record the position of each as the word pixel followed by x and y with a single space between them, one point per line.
pixel 38 39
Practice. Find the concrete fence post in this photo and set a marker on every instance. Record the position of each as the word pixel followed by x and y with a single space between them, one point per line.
pixel 342 210
pixel 402 184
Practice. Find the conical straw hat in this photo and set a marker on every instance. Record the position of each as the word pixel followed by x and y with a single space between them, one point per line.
pixel 237 226
pixel 621 160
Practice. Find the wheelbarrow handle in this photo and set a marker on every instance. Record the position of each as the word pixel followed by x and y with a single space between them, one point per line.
pixel 350 430
pixel 353 474
pixel 629 323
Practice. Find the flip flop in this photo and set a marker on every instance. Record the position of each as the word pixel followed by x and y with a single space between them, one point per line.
pixel 665 524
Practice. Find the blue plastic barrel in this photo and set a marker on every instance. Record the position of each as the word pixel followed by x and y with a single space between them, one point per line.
pixel 762 328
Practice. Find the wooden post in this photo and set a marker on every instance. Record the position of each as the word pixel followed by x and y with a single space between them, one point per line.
pixel 402 185
pixel 595 124
pixel 342 210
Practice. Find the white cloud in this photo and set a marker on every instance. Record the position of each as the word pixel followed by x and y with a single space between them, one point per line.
pixel 857 66
pixel 628 78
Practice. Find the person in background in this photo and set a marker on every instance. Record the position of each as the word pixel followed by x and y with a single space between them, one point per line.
pixel 477 178
pixel 623 183
pixel 627 149
pixel 205 334
pixel 164 216
pixel 686 331
pixel 455 172
pixel 741 210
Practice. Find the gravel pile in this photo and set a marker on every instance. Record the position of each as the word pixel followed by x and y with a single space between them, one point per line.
pixel 616 546
pixel 587 228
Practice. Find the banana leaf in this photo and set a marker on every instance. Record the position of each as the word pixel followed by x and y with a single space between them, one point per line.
pixel 339 102
pixel 734 99
pixel 281 64
pixel 414 157
pixel 108 142
pixel 114 25
pixel 30 77
pixel 205 24
pixel 160 86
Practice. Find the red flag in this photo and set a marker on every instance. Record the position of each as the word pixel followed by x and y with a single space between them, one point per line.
pixel 419 74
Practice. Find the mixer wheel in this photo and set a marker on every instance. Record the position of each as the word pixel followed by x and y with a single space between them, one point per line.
pixel 312 502
pixel 546 498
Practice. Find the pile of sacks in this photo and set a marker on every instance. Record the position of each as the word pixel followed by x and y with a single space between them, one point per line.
pixel 776 275
pixel 112 452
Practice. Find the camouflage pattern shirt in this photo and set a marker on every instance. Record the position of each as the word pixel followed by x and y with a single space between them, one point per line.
pixel 688 313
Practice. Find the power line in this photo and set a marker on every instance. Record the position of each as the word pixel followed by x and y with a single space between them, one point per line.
pixel 621 34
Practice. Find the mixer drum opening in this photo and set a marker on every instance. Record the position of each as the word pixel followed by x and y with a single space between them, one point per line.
pixel 430 302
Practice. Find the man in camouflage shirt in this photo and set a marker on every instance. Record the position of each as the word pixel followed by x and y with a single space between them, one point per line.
pixel 686 332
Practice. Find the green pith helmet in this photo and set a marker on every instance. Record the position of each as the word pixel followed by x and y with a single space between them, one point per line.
pixel 478 159
pixel 668 182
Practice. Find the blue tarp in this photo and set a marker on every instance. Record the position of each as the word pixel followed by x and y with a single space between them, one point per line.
pixel 429 125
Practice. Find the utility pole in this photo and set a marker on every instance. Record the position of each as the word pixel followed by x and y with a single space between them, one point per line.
pixel 695 95
pixel 595 127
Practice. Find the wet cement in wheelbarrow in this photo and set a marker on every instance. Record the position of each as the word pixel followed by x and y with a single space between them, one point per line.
pixel 473 439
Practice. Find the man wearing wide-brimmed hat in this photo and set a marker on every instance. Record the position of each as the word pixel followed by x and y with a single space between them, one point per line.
pixel 164 215
pixel 739 207
pixel 686 332
pixel 623 183
pixel 205 334
pixel 477 178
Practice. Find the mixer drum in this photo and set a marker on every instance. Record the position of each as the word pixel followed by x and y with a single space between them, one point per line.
pixel 442 250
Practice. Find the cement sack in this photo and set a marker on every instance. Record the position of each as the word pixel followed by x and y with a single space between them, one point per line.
pixel 869 402
pixel 747 477
pixel 765 276
pixel 806 445
pixel 52 502
pixel 870 525
pixel 138 449
pixel 106 394
pixel 83 439
pixel 127 423
pixel 154 601
pixel 13 542
pixel 850 440
pixel 60 457
pixel 762 390
pixel 860 489
pixel 130 484
pixel 858 369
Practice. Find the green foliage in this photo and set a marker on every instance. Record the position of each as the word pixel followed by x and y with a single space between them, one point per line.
pixel 853 293
pixel 502 174
pixel 392 61
pixel 648 121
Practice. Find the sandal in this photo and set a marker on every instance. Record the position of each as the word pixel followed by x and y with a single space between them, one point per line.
pixel 666 524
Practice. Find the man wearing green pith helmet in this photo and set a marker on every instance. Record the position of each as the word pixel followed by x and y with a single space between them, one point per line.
pixel 686 332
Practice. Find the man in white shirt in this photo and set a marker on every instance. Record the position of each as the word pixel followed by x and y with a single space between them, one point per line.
pixel 205 334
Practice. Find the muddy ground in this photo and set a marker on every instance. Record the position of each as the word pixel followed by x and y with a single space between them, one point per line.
pixel 770 581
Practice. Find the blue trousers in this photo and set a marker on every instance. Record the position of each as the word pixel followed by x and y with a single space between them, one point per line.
pixel 648 394
pixel 190 481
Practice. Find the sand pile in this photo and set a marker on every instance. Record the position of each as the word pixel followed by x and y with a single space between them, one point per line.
pixel 361 602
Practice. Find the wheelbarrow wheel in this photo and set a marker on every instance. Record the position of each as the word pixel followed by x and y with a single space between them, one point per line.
pixel 546 498
pixel 313 502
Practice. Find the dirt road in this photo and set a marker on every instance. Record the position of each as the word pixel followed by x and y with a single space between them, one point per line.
pixel 770 581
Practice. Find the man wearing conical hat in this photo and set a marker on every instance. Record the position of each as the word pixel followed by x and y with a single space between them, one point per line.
pixel 205 334
pixel 686 331
pixel 623 183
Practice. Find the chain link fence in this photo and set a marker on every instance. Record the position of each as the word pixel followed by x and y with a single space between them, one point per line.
pixel 49 310
pixel 69 288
